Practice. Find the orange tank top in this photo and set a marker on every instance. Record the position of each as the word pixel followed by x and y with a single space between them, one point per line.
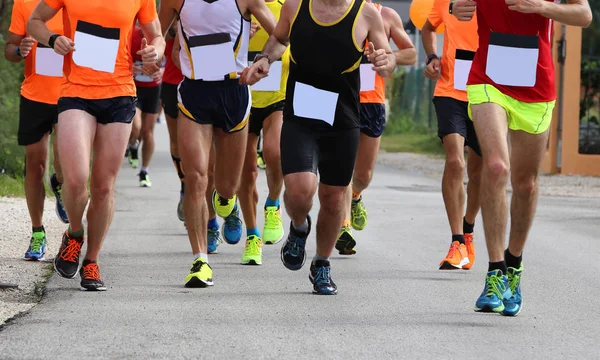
pixel 372 86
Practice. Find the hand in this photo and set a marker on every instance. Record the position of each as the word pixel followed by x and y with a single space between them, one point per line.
pixel 259 70
pixel 63 45
pixel 525 6
pixel 254 27
pixel 26 45
pixel 137 69
pixel 464 9
pixel 432 70
pixel 379 59
pixel 148 53
pixel 157 76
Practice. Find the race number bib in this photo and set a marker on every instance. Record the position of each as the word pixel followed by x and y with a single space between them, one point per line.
pixel 512 59
pixel 313 103
pixel 462 67
pixel 48 62
pixel 367 77
pixel 212 56
pixel 271 82
pixel 97 46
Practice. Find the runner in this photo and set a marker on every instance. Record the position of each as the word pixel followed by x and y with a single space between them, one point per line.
pixel 372 124
pixel 455 129
pixel 38 114
pixel 146 113
pixel 168 94
pixel 266 116
pixel 321 112
pixel 213 104
pixel 511 91
pixel 96 106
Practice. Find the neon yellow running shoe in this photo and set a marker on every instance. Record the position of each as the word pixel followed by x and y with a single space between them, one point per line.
pixel 260 161
pixel 359 214
pixel 273 231
pixel 345 243
pixel 252 251
pixel 223 206
pixel 145 179
pixel 200 275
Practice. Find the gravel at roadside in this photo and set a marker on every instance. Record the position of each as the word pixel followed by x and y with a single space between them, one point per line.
pixel 15 232
pixel 550 185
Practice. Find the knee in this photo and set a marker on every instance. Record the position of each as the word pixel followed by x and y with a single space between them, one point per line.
pixel 147 135
pixel 272 155
pixel 249 174
pixel 332 200
pixel 36 167
pixel 298 196
pixel 525 187
pixel 496 170
pixel 102 192
pixel 455 166
pixel 196 182
pixel 362 177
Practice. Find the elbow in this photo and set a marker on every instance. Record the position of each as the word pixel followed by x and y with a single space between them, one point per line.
pixel 412 57
pixel 587 19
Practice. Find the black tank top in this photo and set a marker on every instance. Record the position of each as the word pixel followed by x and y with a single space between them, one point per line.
pixel 326 57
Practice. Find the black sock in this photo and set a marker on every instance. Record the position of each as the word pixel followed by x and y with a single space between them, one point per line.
pixel 511 260
pixel 467 228
pixel 460 238
pixel 182 187
pixel 500 265
pixel 38 229
pixel 54 181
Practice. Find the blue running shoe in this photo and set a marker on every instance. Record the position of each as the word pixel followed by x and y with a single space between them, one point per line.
pixel 496 290
pixel 37 247
pixel 293 252
pixel 214 239
pixel 514 304
pixel 232 227
pixel 320 277
pixel 57 190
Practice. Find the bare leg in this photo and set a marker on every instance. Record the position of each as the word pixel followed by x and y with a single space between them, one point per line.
pixel 331 217
pixel 136 126
pixel 368 148
pixel 230 150
pixel 210 187
pixel 248 193
pixel 298 196
pixel 36 156
pixel 474 166
pixel 453 190
pixel 271 153
pixel 147 135
pixel 56 158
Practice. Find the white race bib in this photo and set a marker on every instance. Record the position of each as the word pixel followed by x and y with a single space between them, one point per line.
pixel 212 56
pixel 462 67
pixel 141 77
pixel 48 62
pixel 512 59
pixel 271 82
pixel 367 77
pixel 96 47
pixel 313 103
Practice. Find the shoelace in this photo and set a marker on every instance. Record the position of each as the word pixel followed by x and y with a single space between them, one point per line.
pixel 36 243
pixel 223 201
pixel 272 219
pixel 322 276
pixel 197 266
pixel 214 234
pixel 71 251
pixel 494 286
pixel 253 245
pixel 295 245
pixel 91 271
pixel 233 223
pixel 513 282
pixel 453 249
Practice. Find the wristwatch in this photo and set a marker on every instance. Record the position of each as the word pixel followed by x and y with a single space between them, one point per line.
pixel 52 40
pixel 260 56
pixel 18 51
pixel 430 58
pixel 451 5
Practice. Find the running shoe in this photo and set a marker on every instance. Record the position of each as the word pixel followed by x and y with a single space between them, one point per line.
pixel 144 179
pixel 260 161
pixel 273 231
pixel 470 245
pixel 320 277
pixel 37 247
pixel 214 239
pixel 66 262
pixel 127 152
pixel 293 251
pixel 232 227
pixel 134 160
pixel 252 251
pixel 200 275
pixel 60 208
pixel 457 257
pixel 514 304
pixel 358 214
pixel 223 206
pixel 495 292
pixel 345 243
pixel 90 277
pixel 180 213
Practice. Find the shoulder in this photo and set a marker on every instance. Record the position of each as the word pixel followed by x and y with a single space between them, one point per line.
pixel 390 15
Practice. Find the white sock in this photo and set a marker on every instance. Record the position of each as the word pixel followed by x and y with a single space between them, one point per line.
pixel 144 169
pixel 135 145
pixel 301 228
pixel 319 257
pixel 201 256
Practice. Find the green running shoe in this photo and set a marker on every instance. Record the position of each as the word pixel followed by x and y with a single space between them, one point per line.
pixel 345 243
pixel 252 251
pixel 358 214
pixel 273 231
pixel 133 158
pixel 145 179
pixel 223 206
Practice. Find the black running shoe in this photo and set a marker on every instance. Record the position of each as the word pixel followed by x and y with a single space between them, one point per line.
pixel 90 277
pixel 293 253
pixel 66 262
pixel 320 277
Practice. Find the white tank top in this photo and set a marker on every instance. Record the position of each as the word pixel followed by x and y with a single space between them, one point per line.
pixel 214 39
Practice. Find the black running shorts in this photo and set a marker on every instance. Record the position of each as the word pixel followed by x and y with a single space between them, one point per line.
pixel 310 148
pixel 119 109
pixel 259 115
pixel 372 119
pixel 36 119
pixel 168 95
pixel 453 118
pixel 148 99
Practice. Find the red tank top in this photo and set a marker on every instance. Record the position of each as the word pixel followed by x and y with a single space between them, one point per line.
pixel 172 74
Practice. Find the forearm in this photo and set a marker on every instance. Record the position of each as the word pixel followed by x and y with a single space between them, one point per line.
pixel 10 53
pixel 405 56
pixel 39 30
pixel 159 44
pixel 429 40
pixel 274 48
pixel 568 14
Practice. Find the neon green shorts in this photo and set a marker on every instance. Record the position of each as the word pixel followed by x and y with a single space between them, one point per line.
pixel 533 118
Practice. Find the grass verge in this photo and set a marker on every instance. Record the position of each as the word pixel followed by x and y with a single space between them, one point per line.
pixel 10 186
pixel 428 144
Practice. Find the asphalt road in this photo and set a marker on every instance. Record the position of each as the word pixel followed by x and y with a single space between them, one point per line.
pixel 392 302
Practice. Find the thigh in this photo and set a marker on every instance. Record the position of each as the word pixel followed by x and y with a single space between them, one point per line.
pixel 230 150
pixel 109 142
pixel 372 119
pixel 148 122
pixel 336 163
pixel 198 101
pixel 168 95
pixel 368 148
pixel 527 153
pixel 489 111
pixel 272 130
pixel 121 109
pixel 299 148
pixel 234 103
pixel 452 116
pixel 532 118
pixel 35 121
pixel 75 137
pixel 195 142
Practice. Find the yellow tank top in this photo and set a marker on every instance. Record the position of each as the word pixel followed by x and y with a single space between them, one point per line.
pixel 263 93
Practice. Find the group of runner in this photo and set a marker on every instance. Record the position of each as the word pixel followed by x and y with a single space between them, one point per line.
pixel 239 68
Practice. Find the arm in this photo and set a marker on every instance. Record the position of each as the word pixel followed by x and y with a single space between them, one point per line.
pixel 429 38
pixel 175 52
pixel 406 53
pixel 261 12
pixel 380 53
pixel 166 14
pixel 152 32
pixel 14 41
pixel 574 12
pixel 36 26
pixel 464 10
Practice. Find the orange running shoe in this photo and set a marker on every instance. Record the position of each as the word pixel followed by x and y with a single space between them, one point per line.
pixel 457 257
pixel 470 250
